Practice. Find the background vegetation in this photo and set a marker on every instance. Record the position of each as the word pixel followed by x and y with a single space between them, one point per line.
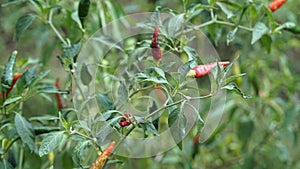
pixel 261 132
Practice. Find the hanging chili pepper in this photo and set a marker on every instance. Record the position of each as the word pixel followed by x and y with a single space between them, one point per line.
pixel 126 120
pixel 98 164
pixel 59 99
pixel 276 4
pixel 203 70
pixel 156 51
pixel 16 77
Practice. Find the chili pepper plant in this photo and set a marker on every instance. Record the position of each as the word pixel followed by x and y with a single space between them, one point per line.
pixel 140 92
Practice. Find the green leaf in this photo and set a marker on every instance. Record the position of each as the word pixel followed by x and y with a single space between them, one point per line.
pixel 83 10
pixel 258 31
pixel 122 93
pixel 7 74
pixel 51 141
pixel 266 41
pixel 175 24
pixel 23 23
pixel 72 51
pixel 153 74
pixel 177 123
pixel 106 129
pixel 26 132
pixel 151 128
pixel 233 87
pixel 234 77
pixel 85 75
pixel 287 25
pixel 228 12
pixel 12 100
pixel 192 55
pixel 231 35
pixel 105 102
pixel 79 151
pixel 25 80
pixel 4 164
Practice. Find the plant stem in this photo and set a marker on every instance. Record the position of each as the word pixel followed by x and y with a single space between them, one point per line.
pixel 84 136
pixel 21 158
pixel 164 107
pixel 55 30
pixel 138 90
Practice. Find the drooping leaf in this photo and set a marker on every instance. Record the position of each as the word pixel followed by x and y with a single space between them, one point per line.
pixel 105 102
pixel 51 141
pixel 23 23
pixel 266 41
pixel 85 75
pixel 122 93
pixel 7 74
pixel 231 35
pixel 233 87
pixel 258 31
pixel 227 11
pixel 26 132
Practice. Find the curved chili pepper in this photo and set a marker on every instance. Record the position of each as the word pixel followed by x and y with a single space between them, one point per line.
pixel 203 70
pixel 156 50
pixel 59 99
pixel 16 77
pixel 276 4
pixel 98 164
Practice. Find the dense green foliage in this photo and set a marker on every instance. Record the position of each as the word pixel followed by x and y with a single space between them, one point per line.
pixel 257 132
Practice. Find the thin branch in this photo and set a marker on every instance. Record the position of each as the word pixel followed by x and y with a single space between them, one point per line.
pixel 54 29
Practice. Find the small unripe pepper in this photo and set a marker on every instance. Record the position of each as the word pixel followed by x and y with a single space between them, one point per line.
pixel 156 50
pixel 98 164
pixel 276 4
pixel 203 70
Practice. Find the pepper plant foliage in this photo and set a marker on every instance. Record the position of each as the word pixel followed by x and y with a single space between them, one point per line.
pixel 56 139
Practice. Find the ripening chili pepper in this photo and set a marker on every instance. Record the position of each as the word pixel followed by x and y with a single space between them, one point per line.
pixel 195 145
pixel 276 4
pixel 59 99
pixel 16 77
pixel 203 70
pixel 126 120
pixel 156 50
pixel 98 164
pixel 1 97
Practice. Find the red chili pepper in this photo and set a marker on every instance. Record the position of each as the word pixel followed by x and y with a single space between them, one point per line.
pixel 59 99
pixel 126 120
pixel 203 70
pixel 1 97
pixel 156 51
pixel 98 164
pixel 276 4
pixel 16 77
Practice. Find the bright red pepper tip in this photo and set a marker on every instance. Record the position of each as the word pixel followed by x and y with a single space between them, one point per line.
pixel 16 77
pixel 276 4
